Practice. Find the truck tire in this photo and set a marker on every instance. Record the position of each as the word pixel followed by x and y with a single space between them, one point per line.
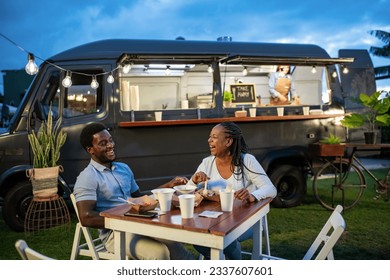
pixel 290 184
pixel 15 205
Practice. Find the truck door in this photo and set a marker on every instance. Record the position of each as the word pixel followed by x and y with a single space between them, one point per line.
pixel 78 105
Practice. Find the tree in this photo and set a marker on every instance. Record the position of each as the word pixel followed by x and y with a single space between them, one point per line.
pixel 384 71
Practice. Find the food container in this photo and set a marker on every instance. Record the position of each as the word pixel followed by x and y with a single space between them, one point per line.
pixel 184 189
pixel 143 203
pixel 198 200
pixel 240 114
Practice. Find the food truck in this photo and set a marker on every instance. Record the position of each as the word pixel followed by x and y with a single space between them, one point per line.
pixel 127 84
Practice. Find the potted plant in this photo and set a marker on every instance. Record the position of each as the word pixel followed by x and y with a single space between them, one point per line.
pixel 45 146
pixel 227 99
pixel 376 114
pixel 328 146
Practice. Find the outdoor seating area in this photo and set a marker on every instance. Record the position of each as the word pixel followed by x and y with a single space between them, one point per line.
pixel 320 249
pixel 291 233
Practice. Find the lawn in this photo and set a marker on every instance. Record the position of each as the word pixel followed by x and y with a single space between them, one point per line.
pixel 291 231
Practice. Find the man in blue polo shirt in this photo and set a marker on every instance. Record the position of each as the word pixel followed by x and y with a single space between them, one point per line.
pixel 103 184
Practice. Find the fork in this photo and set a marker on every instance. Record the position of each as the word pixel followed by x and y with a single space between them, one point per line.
pixel 125 200
pixel 205 192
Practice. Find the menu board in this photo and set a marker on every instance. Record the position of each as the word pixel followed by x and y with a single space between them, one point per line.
pixel 243 93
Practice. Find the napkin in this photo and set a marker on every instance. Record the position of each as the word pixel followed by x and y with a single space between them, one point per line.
pixel 210 214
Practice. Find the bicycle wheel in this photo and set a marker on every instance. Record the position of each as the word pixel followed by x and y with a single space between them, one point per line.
pixel 335 184
pixel 382 188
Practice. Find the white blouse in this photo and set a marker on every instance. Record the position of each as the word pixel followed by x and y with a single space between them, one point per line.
pixel 255 179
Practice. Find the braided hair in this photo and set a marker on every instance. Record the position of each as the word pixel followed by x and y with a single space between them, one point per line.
pixel 238 149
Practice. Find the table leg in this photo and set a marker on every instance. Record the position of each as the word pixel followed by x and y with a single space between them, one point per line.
pixel 257 241
pixel 216 254
pixel 119 245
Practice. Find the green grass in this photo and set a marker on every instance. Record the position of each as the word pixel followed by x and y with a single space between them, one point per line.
pixel 292 230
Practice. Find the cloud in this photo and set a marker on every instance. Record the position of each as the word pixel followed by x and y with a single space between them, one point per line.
pixel 48 27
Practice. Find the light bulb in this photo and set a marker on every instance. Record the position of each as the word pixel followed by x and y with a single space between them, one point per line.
pixel 126 68
pixel 334 74
pixel 110 79
pixel 94 83
pixel 31 68
pixel 168 70
pixel 314 70
pixel 210 69
pixel 245 71
pixel 345 70
pixel 67 81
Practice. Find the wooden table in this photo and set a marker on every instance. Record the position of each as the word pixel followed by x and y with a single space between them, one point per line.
pixel 215 233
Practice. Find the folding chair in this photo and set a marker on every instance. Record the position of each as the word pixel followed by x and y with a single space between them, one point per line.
pixel 322 247
pixel 27 253
pixel 92 247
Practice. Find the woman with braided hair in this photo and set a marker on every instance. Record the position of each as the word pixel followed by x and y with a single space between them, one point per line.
pixel 230 165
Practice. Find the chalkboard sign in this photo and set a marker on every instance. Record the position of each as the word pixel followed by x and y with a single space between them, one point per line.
pixel 243 93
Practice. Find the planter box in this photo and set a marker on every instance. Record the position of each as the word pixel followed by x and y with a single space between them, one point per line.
pixel 326 150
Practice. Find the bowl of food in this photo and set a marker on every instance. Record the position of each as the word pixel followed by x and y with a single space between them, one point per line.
pixel 184 189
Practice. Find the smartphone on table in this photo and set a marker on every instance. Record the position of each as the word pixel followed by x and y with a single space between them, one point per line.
pixel 145 214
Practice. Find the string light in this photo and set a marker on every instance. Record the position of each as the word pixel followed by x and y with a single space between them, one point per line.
pixel 245 71
pixel 67 82
pixel 126 68
pixel 314 70
pixel 110 78
pixel 168 70
pixel 94 83
pixel 31 68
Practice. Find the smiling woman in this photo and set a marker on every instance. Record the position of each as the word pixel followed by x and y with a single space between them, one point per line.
pixel 230 166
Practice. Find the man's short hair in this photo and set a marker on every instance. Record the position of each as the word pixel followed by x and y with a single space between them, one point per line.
pixel 86 135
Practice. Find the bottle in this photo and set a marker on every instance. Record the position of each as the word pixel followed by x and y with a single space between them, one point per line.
pixel 259 100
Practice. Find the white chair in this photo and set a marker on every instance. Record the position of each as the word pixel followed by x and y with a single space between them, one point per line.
pixel 92 247
pixel 322 247
pixel 27 253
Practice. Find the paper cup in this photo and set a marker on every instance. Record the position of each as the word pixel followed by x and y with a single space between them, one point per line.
pixel 158 116
pixel 252 112
pixel 164 198
pixel 280 111
pixel 184 104
pixel 306 110
pixel 187 204
pixel 227 198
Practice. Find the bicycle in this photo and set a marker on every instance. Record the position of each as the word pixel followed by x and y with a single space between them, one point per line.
pixel 343 180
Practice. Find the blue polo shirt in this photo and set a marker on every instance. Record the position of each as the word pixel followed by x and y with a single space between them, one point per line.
pixel 105 185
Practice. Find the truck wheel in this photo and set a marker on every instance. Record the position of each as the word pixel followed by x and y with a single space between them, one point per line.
pixel 15 205
pixel 290 184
